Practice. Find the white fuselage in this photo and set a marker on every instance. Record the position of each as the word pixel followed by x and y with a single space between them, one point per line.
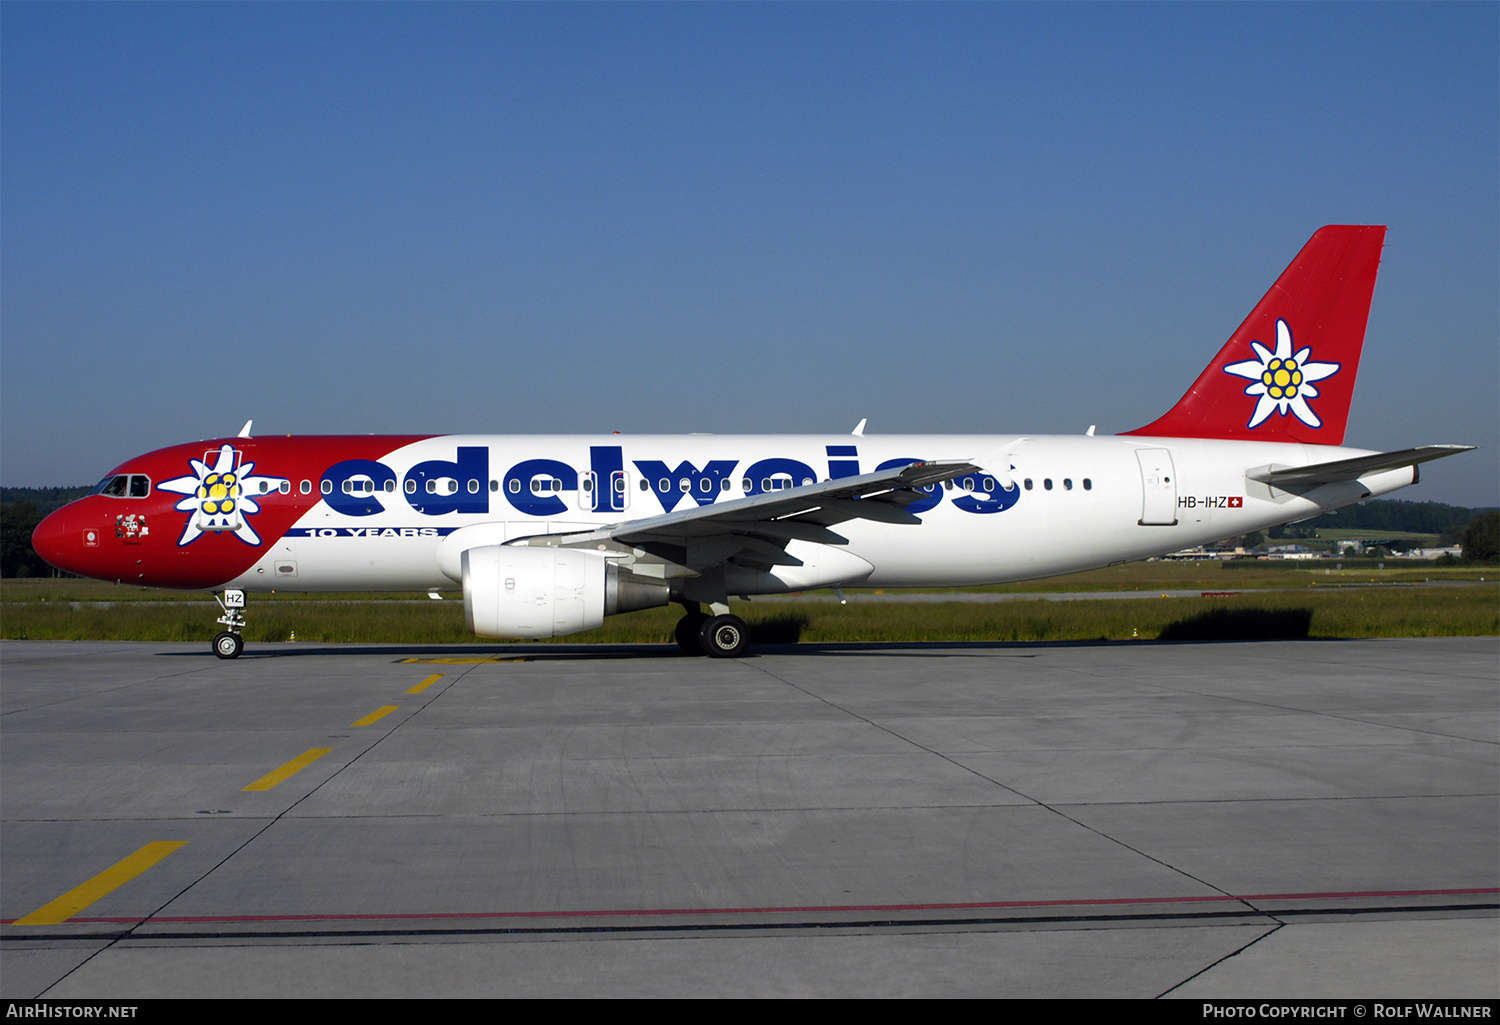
pixel 1051 504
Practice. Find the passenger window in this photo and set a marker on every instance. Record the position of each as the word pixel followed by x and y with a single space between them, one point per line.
pixel 494 485
pixel 515 486
pixel 285 487
pixel 1067 483
pixel 1047 483
pixel 989 484
pixel 390 486
pixel 411 486
pixel 305 487
pixel 473 487
pixel 1028 483
pixel 1088 485
pixel 326 486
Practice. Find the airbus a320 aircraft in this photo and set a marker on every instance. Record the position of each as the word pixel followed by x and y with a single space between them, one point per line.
pixel 548 535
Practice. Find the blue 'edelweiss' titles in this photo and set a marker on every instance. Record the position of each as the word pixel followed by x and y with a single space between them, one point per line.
pixel 220 497
pixel 1283 380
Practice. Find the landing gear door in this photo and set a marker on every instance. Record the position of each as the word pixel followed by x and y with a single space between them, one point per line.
pixel 1159 484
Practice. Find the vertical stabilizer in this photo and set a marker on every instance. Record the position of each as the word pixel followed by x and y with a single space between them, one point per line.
pixel 1288 373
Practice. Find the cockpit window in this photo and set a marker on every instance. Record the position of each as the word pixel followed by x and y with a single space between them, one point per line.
pixel 124 485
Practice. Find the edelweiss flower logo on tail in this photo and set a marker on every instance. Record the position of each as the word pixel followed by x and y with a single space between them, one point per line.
pixel 1283 379
pixel 220 497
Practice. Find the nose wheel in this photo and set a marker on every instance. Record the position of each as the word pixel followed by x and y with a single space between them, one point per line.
pixel 228 643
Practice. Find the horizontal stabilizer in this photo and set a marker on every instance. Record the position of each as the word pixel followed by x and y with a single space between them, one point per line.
pixel 1351 469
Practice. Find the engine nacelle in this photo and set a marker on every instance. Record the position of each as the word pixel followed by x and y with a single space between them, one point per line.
pixel 529 592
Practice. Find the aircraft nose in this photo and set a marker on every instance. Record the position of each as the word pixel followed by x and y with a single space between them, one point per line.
pixel 60 539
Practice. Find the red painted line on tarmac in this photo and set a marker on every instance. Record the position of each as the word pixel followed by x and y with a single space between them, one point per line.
pixel 803 909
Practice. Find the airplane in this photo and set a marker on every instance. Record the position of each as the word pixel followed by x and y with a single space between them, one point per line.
pixel 547 535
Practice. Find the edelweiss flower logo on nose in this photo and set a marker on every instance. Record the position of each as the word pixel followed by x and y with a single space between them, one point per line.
pixel 220 497
pixel 1283 379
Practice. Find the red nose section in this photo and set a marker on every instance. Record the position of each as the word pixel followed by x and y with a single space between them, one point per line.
pixel 103 538
pixel 64 540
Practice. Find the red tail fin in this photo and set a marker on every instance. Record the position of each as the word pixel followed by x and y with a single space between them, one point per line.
pixel 1288 373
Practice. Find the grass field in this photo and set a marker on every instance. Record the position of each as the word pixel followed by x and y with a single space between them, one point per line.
pixel 1275 600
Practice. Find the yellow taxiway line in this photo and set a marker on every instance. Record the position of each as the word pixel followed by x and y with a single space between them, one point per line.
pixel 79 897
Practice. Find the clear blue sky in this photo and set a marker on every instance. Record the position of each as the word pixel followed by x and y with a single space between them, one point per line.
pixel 723 217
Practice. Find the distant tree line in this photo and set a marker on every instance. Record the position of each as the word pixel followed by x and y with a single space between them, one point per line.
pixel 21 509
pixel 1448 521
pixel 1481 538
pixel 1473 530
pixel 45 499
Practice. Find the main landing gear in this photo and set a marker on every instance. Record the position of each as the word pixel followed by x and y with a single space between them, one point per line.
pixel 229 643
pixel 717 636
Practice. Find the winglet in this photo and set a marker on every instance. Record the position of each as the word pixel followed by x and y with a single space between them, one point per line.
pixel 245 430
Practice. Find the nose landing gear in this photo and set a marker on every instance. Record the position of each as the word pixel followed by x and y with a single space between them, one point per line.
pixel 228 643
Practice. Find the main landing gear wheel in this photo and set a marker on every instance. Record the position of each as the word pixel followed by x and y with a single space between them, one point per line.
pixel 724 637
pixel 689 633
pixel 228 645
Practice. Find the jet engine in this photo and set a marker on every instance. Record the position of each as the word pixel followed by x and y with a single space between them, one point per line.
pixel 521 591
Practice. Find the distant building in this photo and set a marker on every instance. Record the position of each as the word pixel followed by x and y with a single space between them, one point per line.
pixel 1290 552
pixel 1435 553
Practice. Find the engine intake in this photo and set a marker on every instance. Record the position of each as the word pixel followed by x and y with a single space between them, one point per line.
pixel 529 592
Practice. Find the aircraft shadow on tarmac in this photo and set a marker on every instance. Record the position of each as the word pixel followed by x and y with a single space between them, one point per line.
pixel 1237 625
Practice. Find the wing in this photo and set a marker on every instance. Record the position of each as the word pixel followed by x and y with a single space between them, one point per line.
pixel 755 531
